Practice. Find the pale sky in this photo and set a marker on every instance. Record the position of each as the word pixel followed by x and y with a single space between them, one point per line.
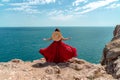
pixel 30 13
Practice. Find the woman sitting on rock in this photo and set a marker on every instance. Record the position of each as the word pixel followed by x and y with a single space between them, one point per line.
pixel 58 51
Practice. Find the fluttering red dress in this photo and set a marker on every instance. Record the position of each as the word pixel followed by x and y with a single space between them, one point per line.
pixel 58 51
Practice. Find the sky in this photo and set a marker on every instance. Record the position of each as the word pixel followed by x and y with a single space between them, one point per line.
pixel 29 13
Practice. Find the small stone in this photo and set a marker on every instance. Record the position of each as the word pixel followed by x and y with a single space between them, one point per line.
pixel 91 77
pixel 57 69
pixel 16 60
pixel 76 78
pixel 87 66
pixel 49 70
pixel 75 66
pixel 59 77
pixel 97 73
pixel 79 77
pixel 76 60
pixel 80 62
pixel 5 65
pixel 46 77
pixel 118 74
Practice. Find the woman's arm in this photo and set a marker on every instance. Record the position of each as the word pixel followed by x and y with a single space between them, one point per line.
pixel 47 39
pixel 66 38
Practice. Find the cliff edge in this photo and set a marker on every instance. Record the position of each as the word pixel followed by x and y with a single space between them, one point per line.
pixel 111 54
pixel 74 69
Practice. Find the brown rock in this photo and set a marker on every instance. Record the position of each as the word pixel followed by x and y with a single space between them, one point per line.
pixel 75 66
pixel 16 60
pixel 49 70
pixel 59 77
pixel 116 32
pixel 118 73
pixel 79 77
pixel 76 60
pixel 57 70
pixel 111 54
pixel 52 71
pixel 46 77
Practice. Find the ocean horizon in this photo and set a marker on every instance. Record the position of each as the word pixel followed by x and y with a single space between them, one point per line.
pixel 24 42
pixel 49 26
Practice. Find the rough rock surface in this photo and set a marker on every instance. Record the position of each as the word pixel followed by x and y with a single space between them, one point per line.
pixel 111 54
pixel 74 69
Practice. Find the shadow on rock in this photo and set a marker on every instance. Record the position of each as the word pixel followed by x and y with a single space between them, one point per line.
pixel 40 65
pixel 46 64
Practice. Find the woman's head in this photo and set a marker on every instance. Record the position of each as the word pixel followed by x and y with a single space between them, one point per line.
pixel 56 36
pixel 57 30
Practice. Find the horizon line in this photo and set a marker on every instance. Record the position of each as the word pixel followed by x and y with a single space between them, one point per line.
pixel 57 26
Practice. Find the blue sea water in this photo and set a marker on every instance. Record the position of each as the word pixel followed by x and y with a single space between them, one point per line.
pixel 25 42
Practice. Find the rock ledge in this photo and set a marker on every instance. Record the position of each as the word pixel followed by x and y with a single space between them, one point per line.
pixel 74 69
pixel 111 54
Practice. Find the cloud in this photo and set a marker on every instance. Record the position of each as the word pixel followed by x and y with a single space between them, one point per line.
pixel 5 0
pixel 62 17
pixel 114 5
pixel 36 2
pixel 94 5
pixel 59 15
pixel 24 8
pixel 33 2
pixel 18 4
pixel 77 2
pixel 27 6
pixel 31 6
pixel 55 12
pixel 1 4
pixel 21 8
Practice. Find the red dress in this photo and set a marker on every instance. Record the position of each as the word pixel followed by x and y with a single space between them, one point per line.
pixel 58 52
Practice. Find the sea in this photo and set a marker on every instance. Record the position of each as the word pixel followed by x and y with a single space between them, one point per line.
pixel 25 42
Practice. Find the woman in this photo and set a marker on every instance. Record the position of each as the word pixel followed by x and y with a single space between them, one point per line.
pixel 58 51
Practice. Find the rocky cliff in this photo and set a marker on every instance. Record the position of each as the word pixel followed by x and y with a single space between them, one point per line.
pixel 111 54
pixel 74 69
